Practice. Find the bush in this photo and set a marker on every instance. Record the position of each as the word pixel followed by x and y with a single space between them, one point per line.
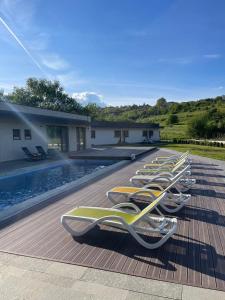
pixel 172 119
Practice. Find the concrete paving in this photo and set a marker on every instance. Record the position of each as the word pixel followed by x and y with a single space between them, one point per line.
pixel 26 278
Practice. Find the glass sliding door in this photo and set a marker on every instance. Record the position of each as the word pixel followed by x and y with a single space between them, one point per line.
pixel 81 138
pixel 58 138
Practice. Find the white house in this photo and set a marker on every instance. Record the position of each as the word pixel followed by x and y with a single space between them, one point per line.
pixel 103 133
pixel 28 126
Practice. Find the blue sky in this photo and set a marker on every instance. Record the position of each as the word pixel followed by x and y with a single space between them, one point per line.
pixel 117 52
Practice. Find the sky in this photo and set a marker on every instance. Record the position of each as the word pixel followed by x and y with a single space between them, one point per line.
pixel 116 52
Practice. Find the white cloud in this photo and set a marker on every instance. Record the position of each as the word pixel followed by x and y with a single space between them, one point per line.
pixel 89 98
pixel 212 56
pixel 54 62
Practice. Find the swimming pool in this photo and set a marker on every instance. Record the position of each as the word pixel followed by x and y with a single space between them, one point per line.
pixel 17 188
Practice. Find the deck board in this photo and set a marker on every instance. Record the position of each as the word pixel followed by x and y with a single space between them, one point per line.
pixel 194 256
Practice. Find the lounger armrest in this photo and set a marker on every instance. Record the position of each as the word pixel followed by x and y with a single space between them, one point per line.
pixel 112 218
pixel 127 205
pixel 164 168
pixel 166 174
pixel 154 185
pixel 146 191
pixel 162 177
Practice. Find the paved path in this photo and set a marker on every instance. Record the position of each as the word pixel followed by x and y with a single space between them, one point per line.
pixel 25 278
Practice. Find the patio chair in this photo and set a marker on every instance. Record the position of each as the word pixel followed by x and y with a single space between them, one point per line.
pixel 166 164
pixel 136 222
pixel 169 162
pixel 165 178
pixel 172 203
pixel 31 156
pixel 42 152
pixel 175 157
pixel 166 168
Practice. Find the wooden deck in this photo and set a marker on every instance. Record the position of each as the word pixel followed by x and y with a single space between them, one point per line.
pixel 111 152
pixel 194 256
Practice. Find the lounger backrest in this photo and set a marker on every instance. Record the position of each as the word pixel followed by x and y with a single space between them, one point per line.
pixel 176 178
pixel 40 150
pixel 184 156
pixel 27 152
pixel 178 165
pixel 155 203
pixel 180 174
pixel 149 208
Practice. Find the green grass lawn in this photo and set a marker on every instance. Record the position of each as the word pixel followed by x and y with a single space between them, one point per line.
pixel 206 151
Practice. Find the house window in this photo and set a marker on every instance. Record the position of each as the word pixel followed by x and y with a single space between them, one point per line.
pixel 93 134
pixel 117 133
pixel 150 133
pixel 27 134
pixel 126 133
pixel 145 133
pixel 16 134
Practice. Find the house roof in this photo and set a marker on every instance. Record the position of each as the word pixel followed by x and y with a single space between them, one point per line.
pixel 120 125
pixel 33 113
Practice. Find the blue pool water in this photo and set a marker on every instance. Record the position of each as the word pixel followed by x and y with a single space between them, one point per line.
pixel 18 188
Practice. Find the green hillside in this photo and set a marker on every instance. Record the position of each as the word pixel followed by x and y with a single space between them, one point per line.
pixel 175 119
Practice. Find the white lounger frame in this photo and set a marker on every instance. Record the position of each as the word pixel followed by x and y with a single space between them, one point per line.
pixel 184 182
pixel 162 225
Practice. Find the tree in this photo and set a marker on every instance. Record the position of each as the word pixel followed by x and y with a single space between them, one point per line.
pixel 45 94
pixel 197 128
pixel 93 110
pixel 161 105
pixel 172 119
pixel 174 108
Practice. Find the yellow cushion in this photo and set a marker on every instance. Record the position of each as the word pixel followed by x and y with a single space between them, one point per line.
pixel 157 165
pixel 97 213
pixel 131 190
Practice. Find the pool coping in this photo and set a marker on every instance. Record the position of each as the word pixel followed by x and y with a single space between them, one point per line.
pixel 33 168
pixel 31 205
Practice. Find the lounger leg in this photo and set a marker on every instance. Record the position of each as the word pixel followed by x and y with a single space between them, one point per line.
pixel 72 231
pixel 165 236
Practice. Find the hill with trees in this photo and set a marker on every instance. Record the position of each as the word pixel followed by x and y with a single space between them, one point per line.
pixel 193 119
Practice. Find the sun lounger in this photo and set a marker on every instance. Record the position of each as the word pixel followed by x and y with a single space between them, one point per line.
pixel 31 156
pixel 173 202
pixel 165 178
pixel 166 168
pixel 167 164
pixel 137 222
pixel 176 157
pixel 42 152
pixel 169 161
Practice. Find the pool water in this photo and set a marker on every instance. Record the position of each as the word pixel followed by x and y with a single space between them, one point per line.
pixel 18 188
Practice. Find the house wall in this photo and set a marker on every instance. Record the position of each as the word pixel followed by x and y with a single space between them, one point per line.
pixel 73 138
pixel 104 136
pixel 12 149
